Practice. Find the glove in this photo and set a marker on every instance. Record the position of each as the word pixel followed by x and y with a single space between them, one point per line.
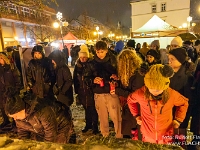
pixel 144 68
pixel 176 124
pixel 55 90
pixel 139 120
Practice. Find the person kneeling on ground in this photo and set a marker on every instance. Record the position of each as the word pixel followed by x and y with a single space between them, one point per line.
pixel 38 120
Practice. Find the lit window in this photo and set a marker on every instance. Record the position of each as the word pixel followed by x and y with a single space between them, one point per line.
pixel 153 8
pixel 13 8
pixel 163 7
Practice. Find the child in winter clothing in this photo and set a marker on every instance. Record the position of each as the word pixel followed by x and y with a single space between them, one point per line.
pixel 83 81
pixel 106 67
pixel 156 101
pixel 40 73
pixel 9 78
pixel 130 80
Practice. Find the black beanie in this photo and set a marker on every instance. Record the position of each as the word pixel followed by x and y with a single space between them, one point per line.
pixel 14 105
pixel 180 54
pixel 153 53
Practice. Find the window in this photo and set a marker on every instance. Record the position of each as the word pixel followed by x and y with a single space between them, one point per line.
pixel 25 11
pixel 163 7
pixel 12 8
pixel 153 8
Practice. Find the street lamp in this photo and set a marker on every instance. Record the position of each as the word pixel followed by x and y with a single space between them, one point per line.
pixel 97 28
pixel 111 35
pixel 60 24
pixel 98 32
pixel 189 19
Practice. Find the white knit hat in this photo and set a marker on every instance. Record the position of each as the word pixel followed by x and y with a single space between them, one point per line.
pixel 177 41
pixel 83 51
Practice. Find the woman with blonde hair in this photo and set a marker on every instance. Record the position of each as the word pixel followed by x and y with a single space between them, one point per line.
pixel 130 79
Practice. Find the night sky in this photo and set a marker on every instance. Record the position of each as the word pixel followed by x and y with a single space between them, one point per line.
pixel 103 10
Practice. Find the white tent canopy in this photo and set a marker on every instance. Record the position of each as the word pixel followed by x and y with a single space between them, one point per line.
pixel 156 27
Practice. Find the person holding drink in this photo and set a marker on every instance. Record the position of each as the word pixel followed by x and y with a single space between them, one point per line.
pixel 105 69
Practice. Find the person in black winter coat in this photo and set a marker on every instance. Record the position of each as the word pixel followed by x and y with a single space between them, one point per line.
pixel 106 67
pixel 66 52
pixel 37 119
pixel 182 80
pixel 63 86
pixel 83 83
pixel 74 54
pixel 40 73
pixel 9 78
pixel 130 80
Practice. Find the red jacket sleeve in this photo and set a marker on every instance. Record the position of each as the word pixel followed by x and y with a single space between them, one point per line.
pixel 132 103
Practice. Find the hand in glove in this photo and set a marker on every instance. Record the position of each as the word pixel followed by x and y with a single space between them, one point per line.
pixel 176 124
pixel 139 120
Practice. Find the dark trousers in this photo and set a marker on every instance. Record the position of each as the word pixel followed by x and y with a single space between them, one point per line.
pixel 91 117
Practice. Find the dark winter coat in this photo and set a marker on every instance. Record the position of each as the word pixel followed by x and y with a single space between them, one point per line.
pixel 128 121
pixel 195 122
pixel 83 81
pixel 182 82
pixel 8 78
pixel 66 52
pixel 40 76
pixel 104 68
pixel 64 83
pixel 45 122
pixel 64 80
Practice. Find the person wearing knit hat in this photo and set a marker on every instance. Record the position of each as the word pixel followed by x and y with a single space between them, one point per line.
pixel 156 100
pixel 84 52
pixel 152 57
pixel 182 81
pixel 179 54
pixel 40 81
pixel 31 112
pixel 155 45
pixel 131 44
pixel 176 42
pixel 83 85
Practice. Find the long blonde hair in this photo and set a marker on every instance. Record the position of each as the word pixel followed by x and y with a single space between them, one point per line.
pixel 128 62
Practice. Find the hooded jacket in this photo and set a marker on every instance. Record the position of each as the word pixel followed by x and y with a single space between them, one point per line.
pixel 44 121
pixel 156 117
pixel 63 78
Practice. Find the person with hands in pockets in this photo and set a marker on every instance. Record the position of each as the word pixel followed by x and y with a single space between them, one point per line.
pixel 106 66
pixel 156 101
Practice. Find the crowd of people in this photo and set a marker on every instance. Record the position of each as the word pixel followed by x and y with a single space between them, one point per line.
pixel 149 93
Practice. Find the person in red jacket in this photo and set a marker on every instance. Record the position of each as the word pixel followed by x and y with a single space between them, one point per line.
pixel 156 101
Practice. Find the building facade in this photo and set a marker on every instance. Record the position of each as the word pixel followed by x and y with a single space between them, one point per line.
pixel 24 25
pixel 174 12
pixel 84 27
